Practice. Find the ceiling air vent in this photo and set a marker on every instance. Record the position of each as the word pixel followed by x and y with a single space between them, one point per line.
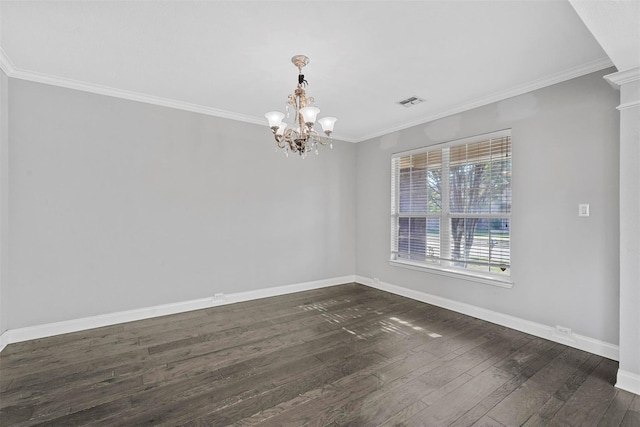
pixel 410 102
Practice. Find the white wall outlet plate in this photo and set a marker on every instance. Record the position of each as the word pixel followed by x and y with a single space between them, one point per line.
pixel 583 209
pixel 563 332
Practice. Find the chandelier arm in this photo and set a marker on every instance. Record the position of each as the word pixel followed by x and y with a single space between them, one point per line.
pixel 280 142
pixel 289 139
pixel 289 134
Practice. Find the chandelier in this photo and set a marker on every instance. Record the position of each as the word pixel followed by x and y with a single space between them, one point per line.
pixel 300 136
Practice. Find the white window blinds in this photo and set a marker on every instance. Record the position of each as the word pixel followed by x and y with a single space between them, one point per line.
pixel 451 204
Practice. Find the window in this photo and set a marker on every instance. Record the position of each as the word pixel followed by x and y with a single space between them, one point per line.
pixel 451 206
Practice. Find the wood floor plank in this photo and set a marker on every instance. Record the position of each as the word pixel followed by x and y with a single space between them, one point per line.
pixel 543 416
pixel 60 405
pixel 391 399
pixel 456 403
pixel 88 416
pixel 78 371
pixel 617 409
pixel 313 386
pixel 516 408
pixel 589 403
pixel 373 411
pixel 176 408
pixel 632 416
pixel 479 411
pixel 487 421
pixel 503 351
pixel 239 390
pixel 339 356
pixel 15 415
pixel 189 365
pixel 324 409
pixel 288 390
pixel 405 414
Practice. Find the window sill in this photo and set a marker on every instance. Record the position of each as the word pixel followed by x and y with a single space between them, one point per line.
pixel 487 279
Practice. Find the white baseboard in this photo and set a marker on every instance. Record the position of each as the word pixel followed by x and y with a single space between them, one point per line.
pixel 628 381
pixel 4 340
pixel 580 342
pixel 50 329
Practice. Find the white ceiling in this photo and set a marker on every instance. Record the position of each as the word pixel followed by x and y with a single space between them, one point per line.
pixel 616 26
pixel 232 58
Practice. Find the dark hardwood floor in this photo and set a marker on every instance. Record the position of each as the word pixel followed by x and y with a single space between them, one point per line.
pixel 342 356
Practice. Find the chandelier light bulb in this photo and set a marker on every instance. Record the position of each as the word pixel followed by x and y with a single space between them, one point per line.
pixel 309 115
pixel 327 124
pixel 274 118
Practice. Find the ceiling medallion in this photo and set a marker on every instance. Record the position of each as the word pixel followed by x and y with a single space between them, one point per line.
pixel 300 136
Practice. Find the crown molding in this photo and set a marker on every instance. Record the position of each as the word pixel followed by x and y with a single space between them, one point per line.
pixel 623 77
pixel 628 105
pixel 552 79
pixel 9 68
pixel 132 96
pixel 6 64
pixel 11 71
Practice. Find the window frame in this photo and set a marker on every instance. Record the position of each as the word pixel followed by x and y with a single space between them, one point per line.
pixel 496 279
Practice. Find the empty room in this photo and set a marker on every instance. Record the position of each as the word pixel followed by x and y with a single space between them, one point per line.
pixel 320 213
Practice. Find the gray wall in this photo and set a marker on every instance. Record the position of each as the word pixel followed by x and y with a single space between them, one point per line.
pixel 565 152
pixel 4 187
pixel 119 205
